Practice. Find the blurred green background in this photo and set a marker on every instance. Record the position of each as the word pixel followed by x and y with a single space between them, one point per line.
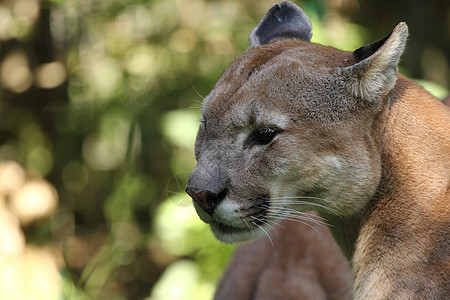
pixel 99 107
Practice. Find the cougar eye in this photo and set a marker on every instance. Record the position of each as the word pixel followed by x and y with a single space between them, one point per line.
pixel 261 136
pixel 264 136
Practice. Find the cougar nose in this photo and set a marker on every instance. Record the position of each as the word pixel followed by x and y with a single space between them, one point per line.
pixel 207 200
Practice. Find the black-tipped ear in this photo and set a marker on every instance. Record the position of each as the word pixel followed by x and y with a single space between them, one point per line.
pixel 375 72
pixel 283 20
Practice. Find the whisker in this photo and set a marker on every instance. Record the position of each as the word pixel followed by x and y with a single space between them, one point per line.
pixel 293 202
pixel 262 221
pixel 276 224
pixel 291 213
pixel 194 107
pixel 196 91
pixel 288 210
pixel 270 239
pixel 189 211
pixel 312 204
pixel 271 221
pixel 245 223
pixel 301 197
pixel 297 221
pixel 298 217
pixel 285 209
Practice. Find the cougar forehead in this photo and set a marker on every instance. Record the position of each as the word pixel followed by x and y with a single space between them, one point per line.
pixel 291 68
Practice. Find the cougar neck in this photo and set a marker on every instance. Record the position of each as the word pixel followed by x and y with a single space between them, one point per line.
pixel 415 147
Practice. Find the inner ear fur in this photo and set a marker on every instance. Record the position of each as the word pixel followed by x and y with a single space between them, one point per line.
pixel 375 72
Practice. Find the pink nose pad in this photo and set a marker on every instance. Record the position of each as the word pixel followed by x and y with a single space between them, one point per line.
pixel 206 200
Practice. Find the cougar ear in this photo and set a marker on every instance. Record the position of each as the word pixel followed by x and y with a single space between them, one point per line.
pixel 375 72
pixel 283 20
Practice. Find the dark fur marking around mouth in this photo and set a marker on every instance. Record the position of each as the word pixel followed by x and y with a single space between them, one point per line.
pixel 257 212
pixel 230 229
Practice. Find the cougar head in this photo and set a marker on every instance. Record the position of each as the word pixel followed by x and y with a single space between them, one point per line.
pixel 291 126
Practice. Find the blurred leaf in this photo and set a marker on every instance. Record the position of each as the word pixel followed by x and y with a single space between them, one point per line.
pixel 434 88
pixel 189 286
pixel 180 127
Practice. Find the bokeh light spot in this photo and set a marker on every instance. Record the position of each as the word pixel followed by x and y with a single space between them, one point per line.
pixel 180 127
pixel 183 40
pixel 50 75
pixel 106 148
pixel 12 239
pixel 32 275
pixel 15 73
pixel 36 200
pixel 40 160
pixel 12 177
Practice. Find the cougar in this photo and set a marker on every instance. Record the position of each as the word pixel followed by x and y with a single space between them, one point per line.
pixel 293 126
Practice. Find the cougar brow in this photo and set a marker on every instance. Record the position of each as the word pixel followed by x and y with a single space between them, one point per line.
pixel 237 74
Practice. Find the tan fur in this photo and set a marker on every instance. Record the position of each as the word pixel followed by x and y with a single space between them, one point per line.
pixel 365 147
pixel 407 232
pixel 302 262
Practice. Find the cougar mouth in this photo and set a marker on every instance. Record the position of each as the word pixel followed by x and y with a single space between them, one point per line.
pixel 254 224
pixel 227 229
pixel 230 234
